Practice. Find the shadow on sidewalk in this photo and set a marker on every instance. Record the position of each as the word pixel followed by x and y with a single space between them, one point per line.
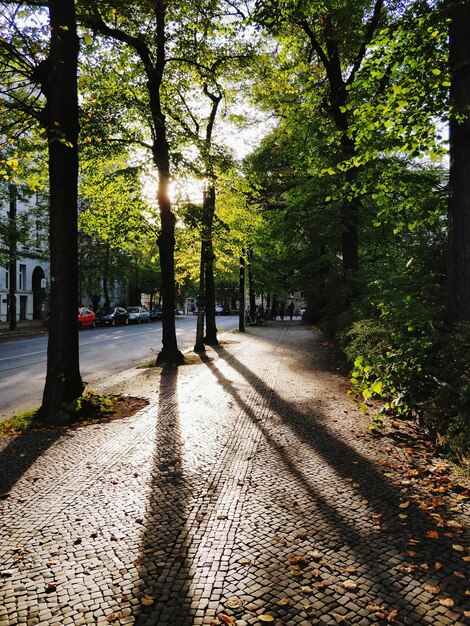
pixel 165 579
pixel 21 453
pixel 372 551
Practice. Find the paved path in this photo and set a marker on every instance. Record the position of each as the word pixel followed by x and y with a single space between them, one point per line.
pixel 247 488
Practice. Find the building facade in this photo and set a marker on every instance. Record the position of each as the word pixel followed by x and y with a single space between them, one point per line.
pixel 31 258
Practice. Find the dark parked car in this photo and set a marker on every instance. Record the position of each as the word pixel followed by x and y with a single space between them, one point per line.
pixel 156 313
pixel 86 317
pixel 138 314
pixel 111 316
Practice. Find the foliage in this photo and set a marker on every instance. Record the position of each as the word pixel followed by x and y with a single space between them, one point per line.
pixel 446 409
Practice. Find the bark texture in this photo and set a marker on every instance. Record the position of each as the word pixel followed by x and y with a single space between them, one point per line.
pixel 458 269
pixel 58 77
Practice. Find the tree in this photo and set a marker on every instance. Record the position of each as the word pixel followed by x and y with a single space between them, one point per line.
pixel 57 76
pixel 25 81
pixel 458 269
pixel 152 51
pixel 332 44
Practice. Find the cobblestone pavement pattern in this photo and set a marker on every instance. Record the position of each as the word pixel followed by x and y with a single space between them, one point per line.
pixel 246 489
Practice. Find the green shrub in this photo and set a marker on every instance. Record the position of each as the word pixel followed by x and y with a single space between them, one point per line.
pixel 445 412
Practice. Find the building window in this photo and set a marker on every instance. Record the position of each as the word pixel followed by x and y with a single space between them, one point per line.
pixel 22 278
pixel 7 279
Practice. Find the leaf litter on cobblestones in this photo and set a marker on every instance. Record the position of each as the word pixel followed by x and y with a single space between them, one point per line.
pixel 147 600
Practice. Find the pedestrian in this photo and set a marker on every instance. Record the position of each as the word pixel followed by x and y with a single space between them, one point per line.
pixel 282 310
pixel 274 310
pixel 290 310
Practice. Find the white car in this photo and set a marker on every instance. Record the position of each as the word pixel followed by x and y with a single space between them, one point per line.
pixel 138 314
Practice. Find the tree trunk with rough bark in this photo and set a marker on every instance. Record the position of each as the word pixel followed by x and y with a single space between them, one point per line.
pixel 58 77
pixel 208 219
pixel 458 265
pixel 13 256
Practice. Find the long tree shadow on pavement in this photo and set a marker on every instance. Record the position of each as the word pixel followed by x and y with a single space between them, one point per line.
pixel 344 530
pixel 21 452
pixel 163 561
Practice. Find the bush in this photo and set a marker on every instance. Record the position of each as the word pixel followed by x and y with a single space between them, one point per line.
pixel 446 410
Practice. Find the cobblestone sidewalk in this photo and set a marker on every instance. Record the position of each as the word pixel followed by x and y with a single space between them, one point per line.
pixel 247 492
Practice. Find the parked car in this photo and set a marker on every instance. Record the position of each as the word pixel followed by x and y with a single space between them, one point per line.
pixel 219 309
pixel 138 314
pixel 111 316
pixel 86 317
pixel 156 313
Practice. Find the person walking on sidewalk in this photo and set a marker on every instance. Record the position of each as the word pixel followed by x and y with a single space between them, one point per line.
pixel 290 310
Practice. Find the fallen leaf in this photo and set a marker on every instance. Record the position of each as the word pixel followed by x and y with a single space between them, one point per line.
pixel 315 573
pixel 432 534
pixel 225 618
pixel 349 570
pixel 297 558
pixel 221 516
pixel 316 556
pixel 266 618
pixel 404 505
pixel 245 561
pixel 114 617
pixel 306 589
pixel 458 574
pixel 147 600
pixel 77 540
pixel 392 616
pixel 458 548
pixel 350 585
pixel 453 524
pixel 434 589
pixel 50 587
pixel 446 602
pixel 339 619
pixel 437 566
pixel 234 603
pixel 282 602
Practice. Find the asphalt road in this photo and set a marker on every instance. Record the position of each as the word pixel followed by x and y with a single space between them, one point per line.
pixel 103 353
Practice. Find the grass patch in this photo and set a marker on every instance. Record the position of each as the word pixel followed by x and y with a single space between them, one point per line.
pixel 90 408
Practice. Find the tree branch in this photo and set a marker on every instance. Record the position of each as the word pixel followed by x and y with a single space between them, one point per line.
pixel 371 28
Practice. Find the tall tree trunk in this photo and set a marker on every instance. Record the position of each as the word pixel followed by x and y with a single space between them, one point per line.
pixel 241 312
pixel 106 276
pixel 169 354
pixel 59 83
pixel 13 256
pixel 154 67
pixel 201 301
pixel 208 220
pixel 458 267
pixel 251 289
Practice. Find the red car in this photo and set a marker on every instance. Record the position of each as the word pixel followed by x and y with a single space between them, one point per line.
pixel 86 318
